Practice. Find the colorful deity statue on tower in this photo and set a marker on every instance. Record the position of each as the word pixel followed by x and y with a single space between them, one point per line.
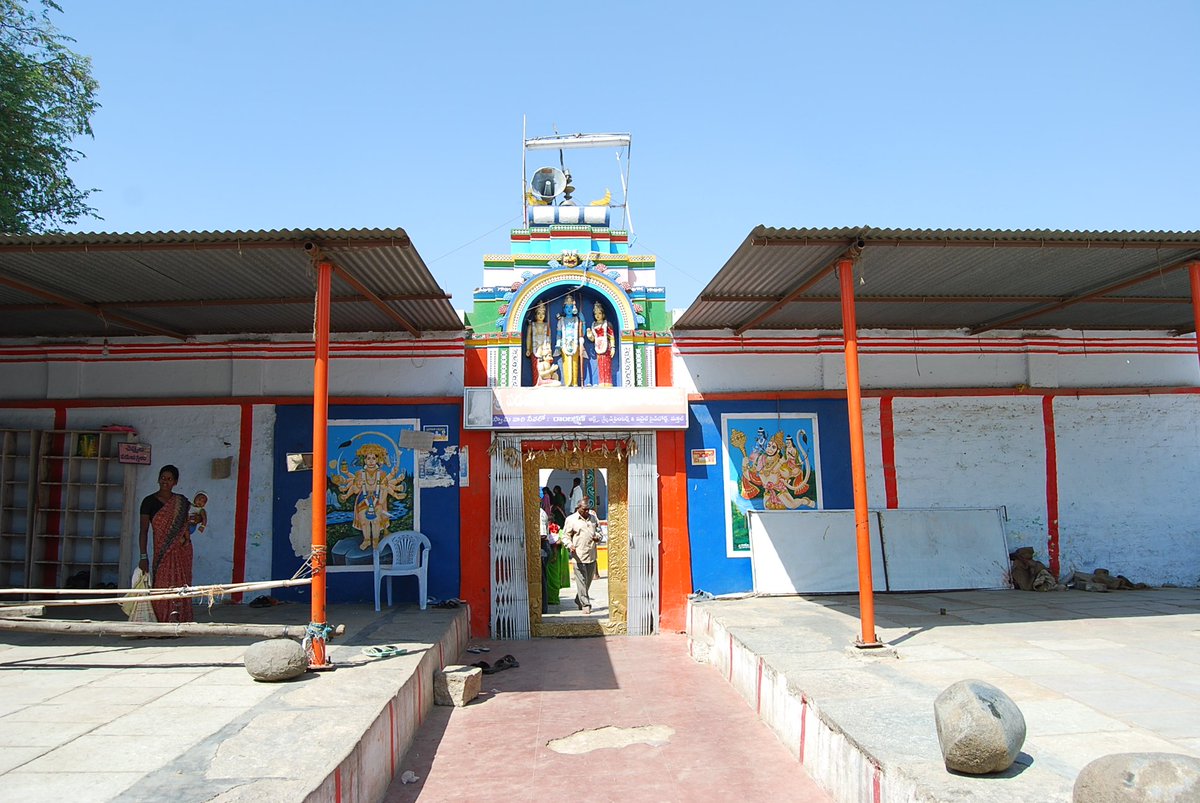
pixel 547 369
pixel 600 334
pixel 570 341
pixel 537 335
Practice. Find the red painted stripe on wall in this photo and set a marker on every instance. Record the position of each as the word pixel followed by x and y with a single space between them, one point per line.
pixel 976 344
pixel 674 548
pixel 965 351
pixel 758 688
pixel 241 523
pixel 934 393
pixel 475 531
pixel 803 725
pixel 392 736
pixel 935 345
pixel 279 351
pixel 223 401
pixel 887 444
pixel 1051 484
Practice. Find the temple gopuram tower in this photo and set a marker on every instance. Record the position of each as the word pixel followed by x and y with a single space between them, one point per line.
pixel 568 368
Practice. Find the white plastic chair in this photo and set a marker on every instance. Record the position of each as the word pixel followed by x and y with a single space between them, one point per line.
pixel 408 553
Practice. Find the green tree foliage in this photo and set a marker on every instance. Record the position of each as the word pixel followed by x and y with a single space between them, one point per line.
pixel 47 97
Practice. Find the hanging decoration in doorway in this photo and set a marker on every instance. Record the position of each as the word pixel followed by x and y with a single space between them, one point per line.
pixel 508 454
pixel 572 451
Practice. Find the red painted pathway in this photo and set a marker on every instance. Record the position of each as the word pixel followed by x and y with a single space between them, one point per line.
pixel 495 749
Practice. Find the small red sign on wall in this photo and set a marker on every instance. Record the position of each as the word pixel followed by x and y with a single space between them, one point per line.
pixel 135 453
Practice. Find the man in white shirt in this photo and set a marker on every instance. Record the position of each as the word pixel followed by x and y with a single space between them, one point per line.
pixel 576 495
pixel 581 534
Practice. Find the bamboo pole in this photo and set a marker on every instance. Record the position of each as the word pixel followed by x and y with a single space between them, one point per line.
pixel 186 592
pixel 93 628
pixel 20 611
pixel 225 588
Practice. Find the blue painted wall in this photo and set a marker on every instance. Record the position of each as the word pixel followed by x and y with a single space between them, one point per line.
pixel 439 506
pixel 712 571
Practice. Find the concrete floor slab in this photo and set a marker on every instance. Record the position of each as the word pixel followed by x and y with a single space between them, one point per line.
pixel 181 720
pixel 856 722
pixel 77 787
pixel 44 734
pixel 1093 674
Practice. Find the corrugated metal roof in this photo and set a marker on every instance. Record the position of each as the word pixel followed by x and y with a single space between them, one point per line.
pixel 190 283
pixel 972 279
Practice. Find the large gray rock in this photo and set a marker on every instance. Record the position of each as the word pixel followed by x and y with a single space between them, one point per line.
pixel 276 659
pixel 980 729
pixel 457 685
pixel 1139 778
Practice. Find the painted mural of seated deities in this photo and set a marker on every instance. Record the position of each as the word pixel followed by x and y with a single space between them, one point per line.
pixel 775 470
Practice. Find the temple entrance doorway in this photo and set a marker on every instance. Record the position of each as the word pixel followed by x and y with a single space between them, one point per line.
pixel 616 472
pixel 557 480
pixel 622 468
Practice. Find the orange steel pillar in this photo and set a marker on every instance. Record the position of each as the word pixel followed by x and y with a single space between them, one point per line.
pixel 1194 272
pixel 318 628
pixel 858 459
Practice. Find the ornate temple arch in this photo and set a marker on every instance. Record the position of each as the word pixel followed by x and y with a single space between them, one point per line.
pixel 569 279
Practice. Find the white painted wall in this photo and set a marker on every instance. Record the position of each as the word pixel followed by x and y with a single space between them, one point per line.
pixel 208 367
pixel 792 360
pixel 259 526
pixel 189 437
pixel 1127 464
pixel 1129 496
pixel 26 419
pixel 876 492
pixel 974 452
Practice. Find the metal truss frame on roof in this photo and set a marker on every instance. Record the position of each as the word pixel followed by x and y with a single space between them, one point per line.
pixel 181 284
pixel 972 280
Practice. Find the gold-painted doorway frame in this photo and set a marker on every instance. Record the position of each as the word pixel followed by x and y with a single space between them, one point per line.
pixel 533 461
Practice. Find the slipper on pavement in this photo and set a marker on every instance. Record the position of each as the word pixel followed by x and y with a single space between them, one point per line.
pixel 507 662
pixel 384 651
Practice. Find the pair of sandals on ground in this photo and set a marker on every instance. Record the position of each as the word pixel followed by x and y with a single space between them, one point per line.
pixel 507 662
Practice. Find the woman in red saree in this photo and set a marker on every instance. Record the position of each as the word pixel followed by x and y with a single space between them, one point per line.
pixel 166 512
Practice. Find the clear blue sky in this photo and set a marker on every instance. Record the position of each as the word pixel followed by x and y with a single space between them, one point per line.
pixel 263 115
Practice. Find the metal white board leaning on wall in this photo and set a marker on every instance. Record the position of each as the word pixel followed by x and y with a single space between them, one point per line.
pixel 809 552
pixel 941 549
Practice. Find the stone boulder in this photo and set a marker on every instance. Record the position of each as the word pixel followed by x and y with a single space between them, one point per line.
pixel 1139 778
pixel 276 659
pixel 457 685
pixel 980 729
